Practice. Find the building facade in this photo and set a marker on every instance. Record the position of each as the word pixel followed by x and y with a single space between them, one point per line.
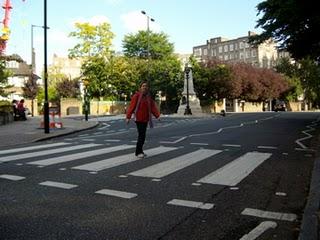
pixel 69 67
pixel 238 50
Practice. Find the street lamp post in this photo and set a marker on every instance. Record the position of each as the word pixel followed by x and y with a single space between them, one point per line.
pixel 148 40
pixel 32 48
pixel 187 71
pixel 46 103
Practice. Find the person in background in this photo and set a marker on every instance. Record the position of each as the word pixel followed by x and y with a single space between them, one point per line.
pixel 143 107
pixel 21 110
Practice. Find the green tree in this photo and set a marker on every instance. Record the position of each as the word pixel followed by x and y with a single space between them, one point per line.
pixel 161 69
pixel 144 42
pixel 293 24
pixel 68 88
pixel 93 40
pixel 30 89
pixel 4 74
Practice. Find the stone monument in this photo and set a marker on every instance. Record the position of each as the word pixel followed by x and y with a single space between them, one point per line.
pixel 189 103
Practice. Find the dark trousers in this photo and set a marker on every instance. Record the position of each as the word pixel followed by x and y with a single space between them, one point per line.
pixel 142 129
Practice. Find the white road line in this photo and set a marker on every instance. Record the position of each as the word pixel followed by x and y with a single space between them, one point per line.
pixel 267 147
pixel 270 215
pixel 200 144
pixel 81 155
pixel 235 171
pixel 58 185
pixel 176 141
pixel 231 145
pixel 112 140
pixel 115 193
pixel 46 152
pixel 260 229
pixel 175 164
pixel 120 160
pixel 186 203
pixel 11 177
pixel 16 150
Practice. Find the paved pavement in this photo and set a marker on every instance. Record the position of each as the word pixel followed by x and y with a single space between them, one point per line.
pixel 21 132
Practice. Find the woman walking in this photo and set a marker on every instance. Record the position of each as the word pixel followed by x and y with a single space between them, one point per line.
pixel 143 107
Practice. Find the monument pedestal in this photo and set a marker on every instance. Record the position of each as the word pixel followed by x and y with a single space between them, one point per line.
pixel 194 102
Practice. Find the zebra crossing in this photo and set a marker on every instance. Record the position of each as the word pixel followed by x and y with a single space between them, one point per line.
pixel 231 174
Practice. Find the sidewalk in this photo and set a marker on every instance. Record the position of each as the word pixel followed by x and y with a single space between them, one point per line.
pixel 20 132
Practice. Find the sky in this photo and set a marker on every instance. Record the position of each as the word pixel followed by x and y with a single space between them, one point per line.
pixel 187 23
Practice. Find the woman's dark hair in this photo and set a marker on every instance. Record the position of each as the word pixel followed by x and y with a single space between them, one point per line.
pixel 143 82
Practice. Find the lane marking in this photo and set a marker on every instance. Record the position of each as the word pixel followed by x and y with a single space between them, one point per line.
pixel 267 147
pixel 192 204
pixel 175 164
pixel 235 171
pixel 81 155
pixel 120 160
pixel 11 177
pixel 305 149
pixel 200 144
pixel 178 140
pixel 115 193
pixel 58 185
pixel 271 215
pixel 259 230
pixel 231 145
pixel 46 152
pixel 16 150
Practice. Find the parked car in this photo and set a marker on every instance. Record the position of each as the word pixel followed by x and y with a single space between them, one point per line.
pixel 280 106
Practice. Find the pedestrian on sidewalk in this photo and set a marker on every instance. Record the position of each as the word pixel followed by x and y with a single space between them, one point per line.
pixel 143 107
pixel 21 110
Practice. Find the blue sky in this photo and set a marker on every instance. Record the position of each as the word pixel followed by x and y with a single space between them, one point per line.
pixel 188 23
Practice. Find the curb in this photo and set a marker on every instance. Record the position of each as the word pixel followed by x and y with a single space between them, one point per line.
pixel 65 134
pixel 310 221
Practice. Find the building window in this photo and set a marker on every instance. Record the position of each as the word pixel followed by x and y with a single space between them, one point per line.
pixel 220 49
pixel 226 57
pixel 241 45
pixel 231 47
pixel 225 48
pixel 254 53
pixel 205 52
pixel 197 51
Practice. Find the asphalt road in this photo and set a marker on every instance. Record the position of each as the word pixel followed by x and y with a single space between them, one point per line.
pixel 244 176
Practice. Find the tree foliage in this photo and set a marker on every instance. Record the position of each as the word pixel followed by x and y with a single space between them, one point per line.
pixel 68 88
pixel 93 40
pixel 216 80
pixel 144 42
pixel 4 74
pixel 294 24
pixel 30 88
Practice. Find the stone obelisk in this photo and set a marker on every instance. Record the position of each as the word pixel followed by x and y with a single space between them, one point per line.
pixel 189 94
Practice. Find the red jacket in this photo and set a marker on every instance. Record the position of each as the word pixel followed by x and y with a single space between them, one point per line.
pixel 146 107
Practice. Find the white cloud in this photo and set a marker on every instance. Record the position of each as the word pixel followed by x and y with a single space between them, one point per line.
pixel 135 21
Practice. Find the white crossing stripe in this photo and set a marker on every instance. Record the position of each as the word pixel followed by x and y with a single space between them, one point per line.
pixel 123 159
pixel 259 230
pixel 75 156
pixel 16 150
pixel 58 185
pixel 186 203
pixel 46 152
pixel 11 177
pixel 235 171
pixel 115 193
pixel 175 164
pixel 270 215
